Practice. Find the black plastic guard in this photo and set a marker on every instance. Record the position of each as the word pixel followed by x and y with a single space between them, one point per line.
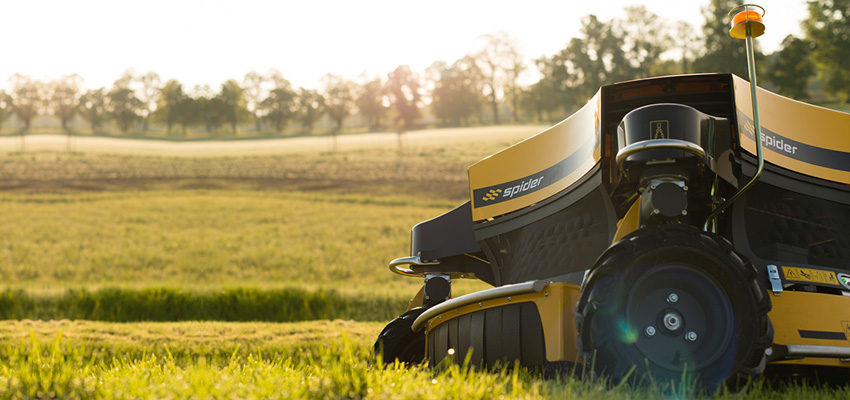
pixel 445 236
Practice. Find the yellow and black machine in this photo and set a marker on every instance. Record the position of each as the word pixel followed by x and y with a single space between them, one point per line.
pixel 649 232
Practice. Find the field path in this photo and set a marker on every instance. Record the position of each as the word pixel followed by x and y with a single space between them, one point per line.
pixel 217 148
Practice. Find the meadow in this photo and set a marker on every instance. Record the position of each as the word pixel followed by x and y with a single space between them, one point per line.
pixel 231 270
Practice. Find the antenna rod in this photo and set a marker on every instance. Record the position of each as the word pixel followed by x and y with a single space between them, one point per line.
pixel 746 25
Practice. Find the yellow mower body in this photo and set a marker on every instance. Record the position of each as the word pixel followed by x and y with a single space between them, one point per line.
pixel 598 238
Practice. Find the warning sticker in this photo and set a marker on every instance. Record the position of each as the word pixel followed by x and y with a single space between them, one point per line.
pixel 846 325
pixel 809 275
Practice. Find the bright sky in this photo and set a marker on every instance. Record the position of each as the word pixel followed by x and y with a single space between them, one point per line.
pixel 210 41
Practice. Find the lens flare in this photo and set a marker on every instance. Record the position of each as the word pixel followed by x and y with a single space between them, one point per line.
pixel 626 333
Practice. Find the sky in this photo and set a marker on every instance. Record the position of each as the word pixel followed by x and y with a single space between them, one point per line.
pixel 209 42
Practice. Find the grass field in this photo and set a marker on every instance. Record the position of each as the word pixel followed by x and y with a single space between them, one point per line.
pixel 284 236
pixel 304 360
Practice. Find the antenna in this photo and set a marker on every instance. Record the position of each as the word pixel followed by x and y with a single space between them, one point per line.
pixel 747 24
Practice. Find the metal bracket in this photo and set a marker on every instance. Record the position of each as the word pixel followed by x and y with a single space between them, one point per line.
pixel 396 265
pixel 775 281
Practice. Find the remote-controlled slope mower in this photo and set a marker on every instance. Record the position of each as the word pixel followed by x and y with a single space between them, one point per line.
pixel 647 231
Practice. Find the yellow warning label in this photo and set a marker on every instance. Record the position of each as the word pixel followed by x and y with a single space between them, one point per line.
pixel 659 129
pixel 809 275
pixel 846 325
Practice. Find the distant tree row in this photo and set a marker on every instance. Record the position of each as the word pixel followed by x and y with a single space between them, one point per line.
pixel 479 88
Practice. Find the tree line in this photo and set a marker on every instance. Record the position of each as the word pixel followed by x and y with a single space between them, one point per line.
pixel 483 87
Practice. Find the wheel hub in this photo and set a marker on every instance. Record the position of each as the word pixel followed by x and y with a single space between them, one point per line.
pixel 673 321
pixel 697 308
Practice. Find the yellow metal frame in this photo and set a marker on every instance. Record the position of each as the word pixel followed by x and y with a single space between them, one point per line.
pixel 629 223
pixel 796 311
pixel 556 304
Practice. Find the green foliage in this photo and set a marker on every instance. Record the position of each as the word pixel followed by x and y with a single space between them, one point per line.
pixel 828 29
pixel 721 52
pixel 339 98
pixel 280 106
pixel 123 106
pixel 457 94
pixel 792 68
pixel 370 102
pixel 405 95
pixel 311 106
pixel 27 98
pixel 92 107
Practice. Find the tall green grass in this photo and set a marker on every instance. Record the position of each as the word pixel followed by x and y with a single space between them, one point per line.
pixel 59 365
pixel 171 304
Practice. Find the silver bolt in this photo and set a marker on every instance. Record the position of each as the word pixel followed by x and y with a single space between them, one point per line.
pixel 685 188
pixel 509 298
pixel 691 336
pixel 656 211
pixel 671 321
pixel 672 298
pixel 456 311
pixel 545 294
pixel 479 304
pixel 684 212
pixel 650 330
pixel 653 187
pixel 768 351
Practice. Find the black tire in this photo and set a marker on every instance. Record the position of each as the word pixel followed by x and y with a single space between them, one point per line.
pixel 718 298
pixel 398 341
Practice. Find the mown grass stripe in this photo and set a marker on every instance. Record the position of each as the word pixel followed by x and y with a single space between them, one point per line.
pixel 169 304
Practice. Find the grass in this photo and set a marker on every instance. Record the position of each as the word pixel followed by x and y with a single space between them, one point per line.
pixel 306 360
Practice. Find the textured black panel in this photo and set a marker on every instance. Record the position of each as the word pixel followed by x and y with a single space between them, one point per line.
pixel 497 335
pixel 442 346
pixel 567 241
pixel 533 352
pixel 476 337
pixel 493 335
pixel 511 344
pixel 463 337
pixel 453 337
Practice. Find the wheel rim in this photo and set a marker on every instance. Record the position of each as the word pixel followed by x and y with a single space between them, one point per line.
pixel 680 318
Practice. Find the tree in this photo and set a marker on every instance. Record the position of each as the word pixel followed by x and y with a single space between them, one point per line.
pixel 64 95
pixel 456 96
pixel 792 68
pixel 187 113
pixel 339 100
pixel 92 107
pixel 372 102
pixel 311 106
pixel 645 38
pixel 404 91
pixel 7 108
pixel 232 101
pixel 721 52
pixel 27 99
pixel 122 105
pixel 255 90
pixel 148 92
pixel 280 106
pixel 209 108
pixel 498 56
pixel 828 29
pixel 169 104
